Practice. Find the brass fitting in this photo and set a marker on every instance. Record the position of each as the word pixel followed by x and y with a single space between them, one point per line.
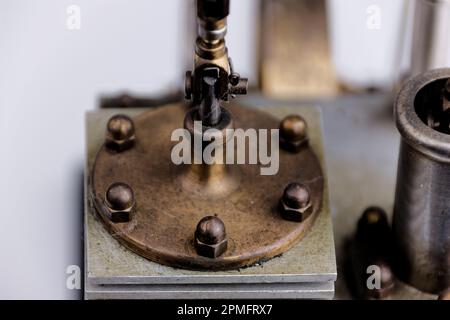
pixel 210 237
pixel 120 133
pixel 120 202
pixel 295 205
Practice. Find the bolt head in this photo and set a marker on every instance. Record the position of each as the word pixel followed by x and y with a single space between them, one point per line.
pixel 293 133
pixel 120 132
pixel 296 195
pixel 234 79
pixel 120 127
pixel 293 128
pixel 373 216
pixel 120 202
pixel 373 226
pixel 210 237
pixel 387 282
pixel 210 230
pixel 295 205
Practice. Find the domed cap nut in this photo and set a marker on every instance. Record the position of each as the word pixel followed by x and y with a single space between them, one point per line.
pixel 295 204
pixel 120 202
pixel 120 133
pixel 210 237
pixel 373 226
pixel 293 133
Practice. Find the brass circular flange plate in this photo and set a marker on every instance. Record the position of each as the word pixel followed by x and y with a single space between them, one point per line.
pixel 166 215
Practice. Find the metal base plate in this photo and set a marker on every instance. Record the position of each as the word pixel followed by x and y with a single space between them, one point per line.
pixel 114 271
pixel 213 291
pixel 162 228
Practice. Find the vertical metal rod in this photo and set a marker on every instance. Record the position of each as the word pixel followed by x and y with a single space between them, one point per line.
pixel 209 107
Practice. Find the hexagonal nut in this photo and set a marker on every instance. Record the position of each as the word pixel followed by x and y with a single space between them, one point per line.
pixel 297 215
pixel 293 146
pixel 120 216
pixel 211 250
pixel 119 145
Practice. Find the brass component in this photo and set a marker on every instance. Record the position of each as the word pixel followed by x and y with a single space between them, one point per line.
pixel 310 264
pixel 296 204
pixel 293 133
pixel 211 52
pixel 240 86
pixel 168 210
pixel 212 30
pixel 216 180
pixel 295 54
pixel 119 200
pixel 234 78
pixel 120 133
pixel 210 237
pixel 296 195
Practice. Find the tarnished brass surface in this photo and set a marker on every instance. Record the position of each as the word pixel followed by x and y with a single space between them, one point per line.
pixel 295 56
pixel 166 214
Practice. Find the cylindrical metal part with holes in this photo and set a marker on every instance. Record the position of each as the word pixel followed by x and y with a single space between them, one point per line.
pixel 421 220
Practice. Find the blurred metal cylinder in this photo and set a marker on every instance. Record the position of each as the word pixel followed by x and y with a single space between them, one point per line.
pixel 421 220
pixel 430 43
